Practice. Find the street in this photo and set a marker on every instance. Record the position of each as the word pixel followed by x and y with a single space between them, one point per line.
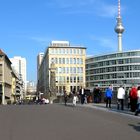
pixel 59 122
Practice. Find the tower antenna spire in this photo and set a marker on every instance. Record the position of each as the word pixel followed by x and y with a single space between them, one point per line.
pixel 119 29
pixel 119 8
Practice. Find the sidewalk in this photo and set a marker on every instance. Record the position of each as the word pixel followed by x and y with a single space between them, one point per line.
pixel 102 106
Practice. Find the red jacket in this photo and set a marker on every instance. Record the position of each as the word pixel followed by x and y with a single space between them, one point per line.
pixel 133 93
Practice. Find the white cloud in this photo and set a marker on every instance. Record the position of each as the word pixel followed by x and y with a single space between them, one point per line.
pixel 96 7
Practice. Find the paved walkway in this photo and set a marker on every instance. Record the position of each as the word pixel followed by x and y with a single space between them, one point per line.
pixel 102 106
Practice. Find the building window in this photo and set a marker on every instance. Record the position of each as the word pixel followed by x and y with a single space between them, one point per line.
pixel 74 79
pixel 74 70
pixel 63 61
pixel 74 60
pixel 70 60
pixel 67 79
pixel 77 60
pixel 67 60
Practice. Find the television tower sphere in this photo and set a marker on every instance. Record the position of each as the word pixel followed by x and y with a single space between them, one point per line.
pixel 119 29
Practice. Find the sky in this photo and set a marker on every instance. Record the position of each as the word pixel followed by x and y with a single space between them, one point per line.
pixel 28 26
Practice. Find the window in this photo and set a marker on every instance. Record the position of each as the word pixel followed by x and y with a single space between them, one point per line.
pixel 70 60
pixel 74 79
pixel 63 59
pixel 74 70
pixel 59 60
pixel 67 79
pixel 67 60
pixel 74 60
pixel 77 60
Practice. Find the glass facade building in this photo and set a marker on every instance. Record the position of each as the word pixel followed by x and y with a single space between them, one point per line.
pixel 121 68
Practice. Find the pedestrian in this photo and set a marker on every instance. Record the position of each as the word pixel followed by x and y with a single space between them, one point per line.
pixel 85 99
pixel 128 98
pixel 138 101
pixel 82 94
pixel 133 98
pixel 97 94
pixel 108 96
pixel 74 99
pixel 65 97
pixel 120 97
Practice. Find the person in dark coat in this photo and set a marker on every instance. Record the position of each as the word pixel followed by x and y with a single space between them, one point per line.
pixel 97 95
pixel 65 97
pixel 82 94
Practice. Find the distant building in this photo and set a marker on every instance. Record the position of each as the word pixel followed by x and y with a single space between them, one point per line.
pixel 19 64
pixel 69 62
pixel 39 60
pixel 31 88
pixel 5 78
pixel 17 87
pixel 122 68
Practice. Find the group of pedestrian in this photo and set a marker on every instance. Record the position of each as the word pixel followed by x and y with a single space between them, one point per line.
pixel 76 96
pixel 73 95
pixel 133 98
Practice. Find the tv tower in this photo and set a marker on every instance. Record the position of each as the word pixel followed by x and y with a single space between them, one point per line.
pixel 119 29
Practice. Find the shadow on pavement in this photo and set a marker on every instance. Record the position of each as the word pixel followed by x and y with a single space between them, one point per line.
pixel 114 109
pixel 136 127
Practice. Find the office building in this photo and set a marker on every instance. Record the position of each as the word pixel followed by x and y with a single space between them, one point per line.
pixel 69 63
pixel 19 65
pixel 5 78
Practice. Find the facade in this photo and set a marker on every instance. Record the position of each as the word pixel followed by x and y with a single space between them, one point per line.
pixel 17 87
pixel 69 62
pixel 31 90
pixel 31 87
pixel 39 60
pixel 5 78
pixel 19 65
pixel 114 69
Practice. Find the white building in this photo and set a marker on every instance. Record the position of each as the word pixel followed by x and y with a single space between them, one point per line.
pixel 69 63
pixel 19 64
pixel 39 60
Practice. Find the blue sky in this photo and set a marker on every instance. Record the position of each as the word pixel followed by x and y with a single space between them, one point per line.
pixel 28 26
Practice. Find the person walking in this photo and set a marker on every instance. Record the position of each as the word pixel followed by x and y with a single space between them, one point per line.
pixel 97 94
pixel 108 96
pixel 138 101
pixel 74 99
pixel 133 98
pixel 82 94
pixel 120 97
pixel 65 97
